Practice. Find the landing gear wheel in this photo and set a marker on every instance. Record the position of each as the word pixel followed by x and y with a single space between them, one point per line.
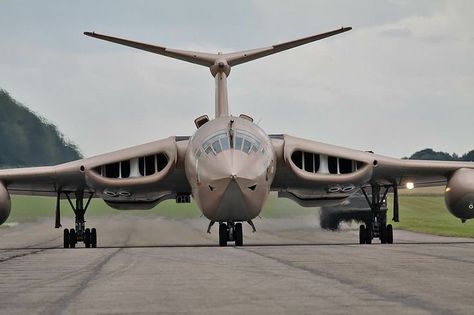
pixel 389 234
pixel 93 238
pixel 87 238
pixel 368 235
pixel 383 234
pixel 66 238
pixel 238 235
pixel 223 234
pixel 362 234
pixel 72 238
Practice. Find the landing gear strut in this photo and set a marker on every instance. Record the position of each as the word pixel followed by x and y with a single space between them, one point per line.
pixel 376 226
pixel 80 233
pixel 231 232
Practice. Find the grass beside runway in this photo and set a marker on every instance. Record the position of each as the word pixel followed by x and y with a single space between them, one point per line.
pixel 428 214
pixel 421 210
pixel 28 208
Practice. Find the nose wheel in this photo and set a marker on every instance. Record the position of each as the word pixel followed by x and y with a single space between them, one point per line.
pixel 231 232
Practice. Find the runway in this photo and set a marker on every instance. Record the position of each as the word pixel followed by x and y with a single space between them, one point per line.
pixel 149 265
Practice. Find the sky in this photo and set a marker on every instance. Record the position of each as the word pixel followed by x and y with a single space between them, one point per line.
pixel 400 81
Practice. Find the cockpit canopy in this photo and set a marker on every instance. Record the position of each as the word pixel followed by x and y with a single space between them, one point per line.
pixel 242 140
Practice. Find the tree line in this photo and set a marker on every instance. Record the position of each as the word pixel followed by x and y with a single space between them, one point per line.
pixel 27 139
pixel 430 154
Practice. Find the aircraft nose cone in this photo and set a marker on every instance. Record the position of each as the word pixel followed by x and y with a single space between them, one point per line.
pixel 232 185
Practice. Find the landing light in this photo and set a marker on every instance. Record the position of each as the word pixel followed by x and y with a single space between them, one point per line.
pixel 410 185
pixel 448 189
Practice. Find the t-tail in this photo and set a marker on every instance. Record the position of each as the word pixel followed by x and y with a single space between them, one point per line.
pixel 220 64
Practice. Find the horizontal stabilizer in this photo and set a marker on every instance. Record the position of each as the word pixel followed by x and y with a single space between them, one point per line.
pixel 209 59
pixel 203 59
pixel 248 55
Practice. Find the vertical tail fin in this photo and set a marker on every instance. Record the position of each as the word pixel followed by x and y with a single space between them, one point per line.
pixel 218 63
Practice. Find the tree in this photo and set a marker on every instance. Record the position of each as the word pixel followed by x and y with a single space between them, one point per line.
pixel 469 156
pixel 430 154
pixel 29 140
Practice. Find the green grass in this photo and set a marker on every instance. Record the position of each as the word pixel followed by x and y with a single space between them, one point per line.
pixel 27 208
pixel 428 214
pixel 424 213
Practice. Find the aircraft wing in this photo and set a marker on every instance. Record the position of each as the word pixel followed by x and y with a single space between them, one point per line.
pixel 142 174
pixel 309 170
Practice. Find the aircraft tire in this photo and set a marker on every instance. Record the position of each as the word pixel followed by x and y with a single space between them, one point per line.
pixel 362 234
pixel 72 238
pixel 223 234
pixel 66 238
pixel 87 238
pixel 389 234
pixel 238 235
pixel 383 234
pixel 368 235
pixel 93 238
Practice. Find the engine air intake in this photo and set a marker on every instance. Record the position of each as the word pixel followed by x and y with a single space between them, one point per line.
pixel 324 164
pixel 136 167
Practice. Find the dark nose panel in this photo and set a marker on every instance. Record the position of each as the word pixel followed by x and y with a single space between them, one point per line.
pixel 232 206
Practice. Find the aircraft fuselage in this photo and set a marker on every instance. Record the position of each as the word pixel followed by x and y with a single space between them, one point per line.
pixel 230 164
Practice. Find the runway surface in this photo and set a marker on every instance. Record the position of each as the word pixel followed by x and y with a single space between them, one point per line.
pixel 150 265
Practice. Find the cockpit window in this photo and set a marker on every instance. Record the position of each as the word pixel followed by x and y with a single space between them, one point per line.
pixel 243 141
pixel 216 145
pixel 238 143
pixel 209 150
pixel 246 142
pixel 225 143
pixel 247 146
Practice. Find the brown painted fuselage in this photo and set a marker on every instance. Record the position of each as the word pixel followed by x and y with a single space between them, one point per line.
pixel 230 165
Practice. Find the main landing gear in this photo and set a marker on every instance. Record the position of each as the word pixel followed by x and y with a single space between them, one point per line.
pixel 376 225
pixel 80 233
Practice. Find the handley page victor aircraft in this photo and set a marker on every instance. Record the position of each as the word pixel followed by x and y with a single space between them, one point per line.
pixel 230 165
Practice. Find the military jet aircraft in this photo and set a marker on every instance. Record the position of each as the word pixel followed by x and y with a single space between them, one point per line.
pixel 230 165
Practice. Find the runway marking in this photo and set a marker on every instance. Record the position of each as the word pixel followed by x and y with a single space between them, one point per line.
pixel 398 297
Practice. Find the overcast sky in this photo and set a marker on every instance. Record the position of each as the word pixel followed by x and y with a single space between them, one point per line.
pixel 401 80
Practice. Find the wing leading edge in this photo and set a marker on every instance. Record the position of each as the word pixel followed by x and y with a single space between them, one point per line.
pixel 142 172
pixel 351 167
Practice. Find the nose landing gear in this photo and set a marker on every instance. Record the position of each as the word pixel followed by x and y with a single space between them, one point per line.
pixel 231 232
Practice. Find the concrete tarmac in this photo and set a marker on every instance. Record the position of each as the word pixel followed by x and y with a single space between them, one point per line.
pixel 149 265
